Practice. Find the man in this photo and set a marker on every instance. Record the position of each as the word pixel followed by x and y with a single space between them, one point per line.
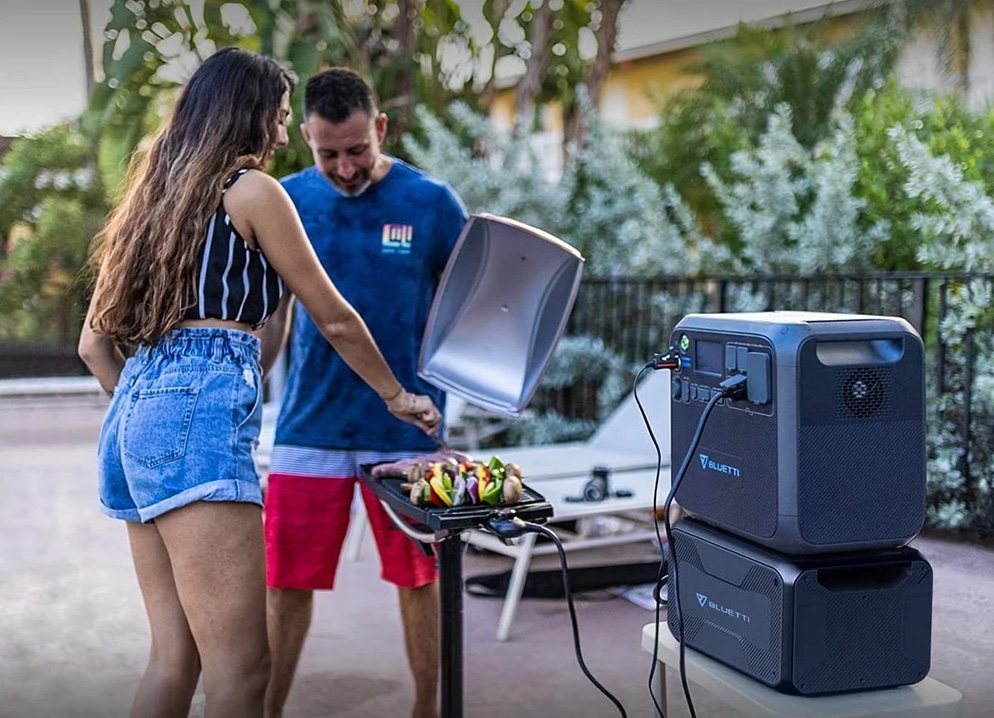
pixel 383 231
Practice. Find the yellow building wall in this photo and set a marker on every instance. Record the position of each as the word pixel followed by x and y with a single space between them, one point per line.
pixel 631 94
pixel 644 84
pixel 502 109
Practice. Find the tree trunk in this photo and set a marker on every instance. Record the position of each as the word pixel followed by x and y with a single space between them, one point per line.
pixel 607 33
pixel 404 98
pixel 90 72
pixel 530 85
pixel 495 13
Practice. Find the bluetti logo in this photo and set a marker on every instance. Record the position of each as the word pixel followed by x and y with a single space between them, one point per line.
pixel 708 603
pixel 708 464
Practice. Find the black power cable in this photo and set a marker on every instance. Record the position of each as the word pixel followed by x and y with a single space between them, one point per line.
pixel 734 387
pixel 657 362
pixel 510 526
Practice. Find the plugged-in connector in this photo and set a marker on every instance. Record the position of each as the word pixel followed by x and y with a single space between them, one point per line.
pixel 507 527
pixel 669 359
pixel 734 387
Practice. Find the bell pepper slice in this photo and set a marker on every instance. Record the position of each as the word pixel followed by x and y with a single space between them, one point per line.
pixel 491 494
pixel 439 490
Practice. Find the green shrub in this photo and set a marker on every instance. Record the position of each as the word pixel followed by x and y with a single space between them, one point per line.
pixel 51 206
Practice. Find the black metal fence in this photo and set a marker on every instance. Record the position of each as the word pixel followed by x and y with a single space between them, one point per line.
pixel 634 317
pixel 19 360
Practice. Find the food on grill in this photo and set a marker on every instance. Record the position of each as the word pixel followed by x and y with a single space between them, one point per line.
pixel 404 467
pixel 451 482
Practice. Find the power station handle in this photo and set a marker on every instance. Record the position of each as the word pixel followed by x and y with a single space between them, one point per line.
pixel 863 579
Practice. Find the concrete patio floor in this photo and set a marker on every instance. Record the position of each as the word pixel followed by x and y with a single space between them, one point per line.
pixel 73 637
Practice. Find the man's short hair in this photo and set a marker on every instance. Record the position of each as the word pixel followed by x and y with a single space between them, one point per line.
pixel 337 93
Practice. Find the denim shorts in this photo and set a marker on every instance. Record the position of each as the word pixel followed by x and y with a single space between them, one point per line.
pixel 183 425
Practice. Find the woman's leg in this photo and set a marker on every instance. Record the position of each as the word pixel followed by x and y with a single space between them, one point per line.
pixel 218 561
pixel 173 663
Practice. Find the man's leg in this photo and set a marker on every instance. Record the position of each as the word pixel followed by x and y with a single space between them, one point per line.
pixel 419 613
pixel 288 616
pixel 416 577
pixel 306 519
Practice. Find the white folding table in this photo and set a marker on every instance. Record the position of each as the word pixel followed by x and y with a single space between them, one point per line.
pixel 926 699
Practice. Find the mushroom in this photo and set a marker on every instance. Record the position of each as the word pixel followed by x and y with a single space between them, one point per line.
pixel 416 489
pixel 512 489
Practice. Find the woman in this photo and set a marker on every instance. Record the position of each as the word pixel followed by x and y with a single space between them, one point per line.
pixel 190 265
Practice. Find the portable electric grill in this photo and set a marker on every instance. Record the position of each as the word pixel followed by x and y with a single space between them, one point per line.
pixel 442 526
pixel 501 307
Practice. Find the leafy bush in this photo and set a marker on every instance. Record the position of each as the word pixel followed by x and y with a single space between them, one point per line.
pixel 585 381
pixel 956 228
pixel 793 208
pixel 622 222
pixel 743 81
pixel 51 205
pixel 943 126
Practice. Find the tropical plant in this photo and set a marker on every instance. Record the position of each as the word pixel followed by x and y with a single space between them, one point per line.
pixel 151 46
pixel 793 208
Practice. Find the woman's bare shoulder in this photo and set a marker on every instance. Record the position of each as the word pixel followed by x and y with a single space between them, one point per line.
pixel 255 192
pixel 254 185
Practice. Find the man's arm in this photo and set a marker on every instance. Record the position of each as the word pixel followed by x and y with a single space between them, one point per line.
pixel 274 333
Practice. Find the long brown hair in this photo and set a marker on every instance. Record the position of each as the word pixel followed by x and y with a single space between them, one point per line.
pixel 147 253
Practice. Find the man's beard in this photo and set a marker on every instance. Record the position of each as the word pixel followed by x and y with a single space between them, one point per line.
pixel 354 191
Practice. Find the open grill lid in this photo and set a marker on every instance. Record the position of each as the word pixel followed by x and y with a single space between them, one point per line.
pixel 501 307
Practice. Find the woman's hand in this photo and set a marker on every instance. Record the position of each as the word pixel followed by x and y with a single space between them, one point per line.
pixel 416 409
pixel 100 354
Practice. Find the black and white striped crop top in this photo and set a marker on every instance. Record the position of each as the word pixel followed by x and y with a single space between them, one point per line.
pixel 234 281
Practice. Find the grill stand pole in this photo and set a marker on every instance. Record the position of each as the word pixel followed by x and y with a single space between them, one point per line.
pixel 450 590
pixel 450 599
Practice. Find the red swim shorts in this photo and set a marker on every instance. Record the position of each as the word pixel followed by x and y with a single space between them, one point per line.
pixel 306 519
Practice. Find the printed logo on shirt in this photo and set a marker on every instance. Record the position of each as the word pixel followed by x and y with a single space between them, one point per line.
pixel 397 238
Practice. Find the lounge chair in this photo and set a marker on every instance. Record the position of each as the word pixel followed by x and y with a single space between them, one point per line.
pixel 559 472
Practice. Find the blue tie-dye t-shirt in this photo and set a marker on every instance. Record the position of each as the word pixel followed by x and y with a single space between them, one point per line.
pixel 385 251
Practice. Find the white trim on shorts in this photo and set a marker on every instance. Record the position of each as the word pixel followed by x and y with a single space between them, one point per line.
pixel 328 463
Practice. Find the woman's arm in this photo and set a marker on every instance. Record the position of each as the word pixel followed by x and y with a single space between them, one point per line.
pixel 258 203
pixel 100 354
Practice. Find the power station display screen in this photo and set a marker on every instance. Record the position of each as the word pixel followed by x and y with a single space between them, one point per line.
pixel 709 356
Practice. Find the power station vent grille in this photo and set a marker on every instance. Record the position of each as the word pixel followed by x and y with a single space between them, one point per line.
pixel 863 393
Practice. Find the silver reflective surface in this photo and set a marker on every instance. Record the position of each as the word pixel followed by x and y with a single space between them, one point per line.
pixel 499 312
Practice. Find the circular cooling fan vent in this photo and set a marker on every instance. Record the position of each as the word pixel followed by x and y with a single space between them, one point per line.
pixel 862 392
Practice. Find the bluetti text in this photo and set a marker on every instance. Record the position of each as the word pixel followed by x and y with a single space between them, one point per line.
pixel 708 464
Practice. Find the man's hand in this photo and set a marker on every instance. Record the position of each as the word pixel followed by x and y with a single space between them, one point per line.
pixel 416 409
